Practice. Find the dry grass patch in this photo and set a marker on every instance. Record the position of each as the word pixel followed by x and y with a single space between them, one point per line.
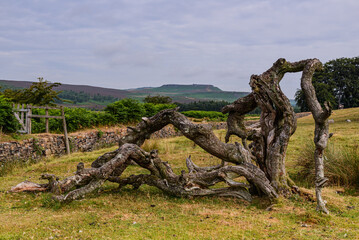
pixel 147 213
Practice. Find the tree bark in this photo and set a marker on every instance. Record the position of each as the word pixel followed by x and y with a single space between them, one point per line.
pixel 261 163
pixel 321 131
pixel 194 183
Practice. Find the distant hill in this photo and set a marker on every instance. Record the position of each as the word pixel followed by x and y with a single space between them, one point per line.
pixel 75 88
pixel 188 93
pixel 90 96
pixel 176 88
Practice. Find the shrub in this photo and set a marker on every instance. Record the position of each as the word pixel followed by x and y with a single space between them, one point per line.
pixel 209 115
pixel 130 110
pixel 76 119
pixel 103 118
pixel 341 165
pixel 126 110
pixel 157 99
pixel 163 106
pixel 8 122
pixel 150 109
pixel 80 118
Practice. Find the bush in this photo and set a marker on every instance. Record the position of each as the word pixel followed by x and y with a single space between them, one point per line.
pixel 123 111
pixel 157 99
pixel 163 106
pixel 203 106
pixel 103 119
pixel 150 109
pixel 130 110
pixel 8 122
pixel 126 110
pixel 79 118
pixel 209 115
pixel 341 165
pixel 76 119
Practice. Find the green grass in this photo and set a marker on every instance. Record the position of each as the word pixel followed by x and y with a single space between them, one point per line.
pixel 147 213
pixel 346 134
pixel 341 164
pixel 13 137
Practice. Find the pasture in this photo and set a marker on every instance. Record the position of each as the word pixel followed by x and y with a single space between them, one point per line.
pixel 147 213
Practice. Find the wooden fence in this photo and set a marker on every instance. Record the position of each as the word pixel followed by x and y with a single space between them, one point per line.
pixel 23 114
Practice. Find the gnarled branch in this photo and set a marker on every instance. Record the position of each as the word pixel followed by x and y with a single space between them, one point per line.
pixel 321 132
pixel 261 163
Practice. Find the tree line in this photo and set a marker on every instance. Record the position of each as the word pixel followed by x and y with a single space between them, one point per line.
pixel 82 97
pixel 337 83
pixel 122 111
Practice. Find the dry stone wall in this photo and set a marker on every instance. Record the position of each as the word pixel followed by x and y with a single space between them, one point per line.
pixel 53 145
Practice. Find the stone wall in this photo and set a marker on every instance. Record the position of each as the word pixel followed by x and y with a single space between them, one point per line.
pixel 44 145
pixel 49 145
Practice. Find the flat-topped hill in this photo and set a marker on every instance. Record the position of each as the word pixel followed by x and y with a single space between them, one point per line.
pixel 175 88
pixel 178 92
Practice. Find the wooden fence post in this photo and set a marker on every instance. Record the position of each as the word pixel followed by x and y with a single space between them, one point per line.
pixel 29 119
pixel 65 131
pixel 25 117
pixel 22 114
pixel 47 120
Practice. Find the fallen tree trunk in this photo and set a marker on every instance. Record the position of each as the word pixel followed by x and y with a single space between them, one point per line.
pixel 261 163
pixel 194 183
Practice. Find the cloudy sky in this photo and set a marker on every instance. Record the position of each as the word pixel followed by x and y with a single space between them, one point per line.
pixel 136 43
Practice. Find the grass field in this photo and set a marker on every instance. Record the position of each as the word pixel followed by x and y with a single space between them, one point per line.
pixel 147 213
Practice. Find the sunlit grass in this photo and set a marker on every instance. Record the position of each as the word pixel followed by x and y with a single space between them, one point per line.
pixel 147 213
pixel 346 134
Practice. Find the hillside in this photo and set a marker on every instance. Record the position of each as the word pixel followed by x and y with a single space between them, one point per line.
pixel 87 96
pixel 70 87
pixel 175 88
pixel 188 93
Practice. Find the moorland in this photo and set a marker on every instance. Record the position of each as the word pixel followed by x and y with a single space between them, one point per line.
pixel 147 213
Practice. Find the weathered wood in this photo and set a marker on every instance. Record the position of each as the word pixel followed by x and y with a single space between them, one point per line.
pixel 27 126
pixel 28 186
pixel 44 116
pixel 19 120
pixel 235 121
pixel 321 132
pixel 22 114
pixel 66 138
pixel 195 183
pixel 43 107
pixel 261 163
pixel 29 119
pixel 47 120
pixel 20 110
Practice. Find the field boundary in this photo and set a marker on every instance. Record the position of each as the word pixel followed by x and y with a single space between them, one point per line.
pixel 46 145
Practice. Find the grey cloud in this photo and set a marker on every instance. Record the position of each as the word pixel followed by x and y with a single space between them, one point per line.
pixel 138 43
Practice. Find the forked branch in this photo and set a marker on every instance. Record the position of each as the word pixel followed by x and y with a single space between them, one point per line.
pixel 261 163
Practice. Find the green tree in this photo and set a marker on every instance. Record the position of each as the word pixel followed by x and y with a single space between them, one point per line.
pixel 39 93
pixel 126 110
pixel 157 99
pixel 338 83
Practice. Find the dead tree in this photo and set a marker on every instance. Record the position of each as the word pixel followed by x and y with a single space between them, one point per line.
pixel 321 132
pixel 261 162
